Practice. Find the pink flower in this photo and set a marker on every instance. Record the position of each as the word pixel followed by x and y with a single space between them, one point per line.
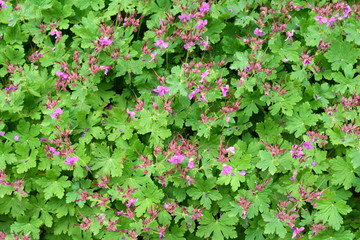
pixel 153 56
pixel 224 90
pixel 16 138
pixel 131 202
pixel 53 150
pixel 307 145
pixel 290 34
pixel 62 75
pixel 321 19
pixel 205 7
pixel 296 151
pixel 189 180
pixel 2 133
pixel 201 24
pixel 286 59
pixel 57 112
pixel 106 68
pixel 231 149
pixel 205 43
pixel 105 41
pixel 191 163
pixel 56 32
pixel 161 90
pixel 226 170
pixel 258 32
pixel 2 4
pixel 190 44
pixel 192 94
pixel 132 114
pixel 161 43
pixel 297 231
pixel 71 160
pixel 176 159
pixel 243 172
pixel 184 17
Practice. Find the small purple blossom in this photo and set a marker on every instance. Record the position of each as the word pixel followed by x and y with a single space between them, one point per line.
pixel 132 114
pixel 205 7
pixel 2 133
pixel 106 68
pixel 2 4
pixel 62 75
pixel 320 19
pixel 71 160
pixel 297 231
pixel 160 43
pixel 313 163
pixel 131 202
pixel 290 34
pixel 105 41
pixel 258 32
pixel 224 90
pixel 226 170
pixel 243 172
pixel 161 90
pixel 192 94
pixel 201 24
pixel 191 163
pixel 230 10
pixel 176 159
pixel 57 112
pixel 190 44
pixel 184 17
pixel 296 151
pixel 231 149
pixel 307 145
pixel 16 138
pixel 286 59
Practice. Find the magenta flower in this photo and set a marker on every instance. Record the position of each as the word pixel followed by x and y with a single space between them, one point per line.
pixel 296 151
pixel 290 34
pixel 243 172
pixel 2 4
pixel 62 75
pixel 307 145
pixel 192 94
pixel 16 138
pixel 2 133
pixel 205 7
pixel 226 170
pixel 297 231
pixel 54 151
pixel 131 202
pixel 71 160
pixel 320 19
pixel 132 114
pixel 224 90
pixel 201 24
pixel 176 159
pixel 105 41
pixel 56 32
pixel 286 59
pixel 57 112
pixel 161 43
pixel 153 56
pixel 191 163
pixel 190 44
pixel 106 68
pixel 184 17
pixel 258 32
pixel 230 149
pixel 161 90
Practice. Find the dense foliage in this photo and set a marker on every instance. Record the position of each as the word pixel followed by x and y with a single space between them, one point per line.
pixel 135 119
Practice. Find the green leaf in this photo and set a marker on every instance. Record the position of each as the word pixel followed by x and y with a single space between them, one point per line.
pixel 267 162
pixel 343 172
pixel 330 211
pixel 53 186
pixel 273 224
pixel 108 165
pixel 27 226
pixel 148 196
pixel 222 228
pixel 341 54
pixel 302 118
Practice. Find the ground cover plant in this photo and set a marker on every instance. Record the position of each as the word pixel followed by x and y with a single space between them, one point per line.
pixel 179 119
